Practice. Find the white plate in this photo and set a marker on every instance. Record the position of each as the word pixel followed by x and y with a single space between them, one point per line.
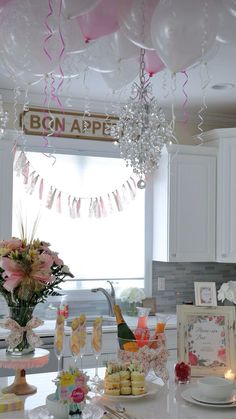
pixel 188 397
pixel 90 412
pixel 201 398
pixel 152 389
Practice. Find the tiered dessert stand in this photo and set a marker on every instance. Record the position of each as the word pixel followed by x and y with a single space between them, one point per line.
pixel 37 359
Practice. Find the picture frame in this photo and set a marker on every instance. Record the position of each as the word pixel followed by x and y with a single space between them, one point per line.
pixel 206 339
pixel 205 294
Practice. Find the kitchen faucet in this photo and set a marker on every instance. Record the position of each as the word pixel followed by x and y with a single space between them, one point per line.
pixel 111 298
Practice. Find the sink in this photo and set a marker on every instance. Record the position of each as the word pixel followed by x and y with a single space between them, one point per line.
pixel 107 321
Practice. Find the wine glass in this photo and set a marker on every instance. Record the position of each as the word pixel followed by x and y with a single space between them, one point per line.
pixel 59 340
pixel 78 338
pixel 96 343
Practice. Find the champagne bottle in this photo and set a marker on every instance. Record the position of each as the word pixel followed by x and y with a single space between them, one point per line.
pixel 125 335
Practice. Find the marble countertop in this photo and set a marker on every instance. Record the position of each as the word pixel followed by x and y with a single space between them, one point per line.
pixel 167 403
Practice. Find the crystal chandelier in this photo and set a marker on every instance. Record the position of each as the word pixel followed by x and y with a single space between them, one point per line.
pixel 142 129
pixel 3 118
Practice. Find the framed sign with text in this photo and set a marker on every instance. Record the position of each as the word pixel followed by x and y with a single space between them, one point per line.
pixel 206 339
pixel 68 124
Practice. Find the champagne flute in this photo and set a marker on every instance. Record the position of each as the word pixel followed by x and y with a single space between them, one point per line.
pixel 96 343
pixel 59 340
pixel 78 338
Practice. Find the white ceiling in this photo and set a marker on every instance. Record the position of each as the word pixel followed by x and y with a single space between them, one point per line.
pixel 91 87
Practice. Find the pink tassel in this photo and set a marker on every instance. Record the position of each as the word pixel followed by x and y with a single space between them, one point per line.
pixel 73 208
pixel 78 207
pixel 97 208
pixel 134 183
pixel 111 210
pixel 91 208
pixel 20 163
pixel 118 203
pixel 41 189
pixel 102 206
pixel 51 197
pixel 132 192
pixel 58 203
pixel 25 172
pixel 69 205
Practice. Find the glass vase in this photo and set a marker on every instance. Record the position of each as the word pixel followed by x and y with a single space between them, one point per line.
pixel 22 315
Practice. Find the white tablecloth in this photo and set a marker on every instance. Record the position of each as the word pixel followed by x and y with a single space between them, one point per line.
pixel 166 404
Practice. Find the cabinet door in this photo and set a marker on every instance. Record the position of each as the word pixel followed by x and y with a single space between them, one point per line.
pixel 226 217
pixel 192 201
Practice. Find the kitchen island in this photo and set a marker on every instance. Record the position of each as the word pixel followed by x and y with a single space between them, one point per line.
pixel 167 403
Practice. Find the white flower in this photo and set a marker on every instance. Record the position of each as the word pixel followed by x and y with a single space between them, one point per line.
pixel 227 291
pixel 132 295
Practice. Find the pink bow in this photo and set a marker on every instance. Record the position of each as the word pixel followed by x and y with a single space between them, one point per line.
pixel 17 332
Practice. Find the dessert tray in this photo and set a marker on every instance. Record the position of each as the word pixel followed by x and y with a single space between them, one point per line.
pixel 193 395
pixel 152 388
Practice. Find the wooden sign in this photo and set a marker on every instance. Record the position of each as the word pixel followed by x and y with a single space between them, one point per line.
pixel 205 338
pixel 37 121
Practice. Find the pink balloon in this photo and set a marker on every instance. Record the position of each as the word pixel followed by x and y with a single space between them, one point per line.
pixel 102 20
pixel 153 63
pixel 3 2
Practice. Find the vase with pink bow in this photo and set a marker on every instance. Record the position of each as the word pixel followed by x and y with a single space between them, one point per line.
pixel 29 273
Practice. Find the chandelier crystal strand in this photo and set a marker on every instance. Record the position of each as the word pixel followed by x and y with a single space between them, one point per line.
pixel 142 129
pixel 3 118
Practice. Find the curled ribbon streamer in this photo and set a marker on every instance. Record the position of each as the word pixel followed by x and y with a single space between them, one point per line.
pixel 17 332
pixel 204 85
pixel 60 62
pixel 48 37
pixel 186 115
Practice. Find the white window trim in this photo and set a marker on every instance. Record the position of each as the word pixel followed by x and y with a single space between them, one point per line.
pixel 66 146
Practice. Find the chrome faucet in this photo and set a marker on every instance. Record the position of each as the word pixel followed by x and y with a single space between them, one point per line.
pixel 111 298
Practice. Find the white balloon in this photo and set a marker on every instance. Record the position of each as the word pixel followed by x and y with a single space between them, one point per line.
pixel 226 32
pixel 23 40
pixel 72 35
pixel 74 8
pixel 135 20
pixel 105 53
pixel 183 31
pixel 125 73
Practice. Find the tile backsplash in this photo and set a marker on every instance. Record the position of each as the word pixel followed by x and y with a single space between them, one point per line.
pixel 179 287
pixel 180 278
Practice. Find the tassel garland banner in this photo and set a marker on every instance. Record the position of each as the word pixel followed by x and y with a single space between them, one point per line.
pixel 75 206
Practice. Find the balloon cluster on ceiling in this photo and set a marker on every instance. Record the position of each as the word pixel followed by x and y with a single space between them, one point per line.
pixel 64 38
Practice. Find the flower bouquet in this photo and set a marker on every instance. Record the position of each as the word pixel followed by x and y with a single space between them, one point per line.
pixel 130 297
pixel 29 273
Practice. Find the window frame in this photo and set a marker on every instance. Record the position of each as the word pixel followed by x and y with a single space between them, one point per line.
pixel 66 146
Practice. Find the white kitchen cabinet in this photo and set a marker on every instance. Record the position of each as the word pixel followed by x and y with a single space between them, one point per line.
pixel 225 142
pixel 184 205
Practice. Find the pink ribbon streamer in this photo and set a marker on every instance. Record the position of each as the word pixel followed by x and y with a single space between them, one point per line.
pixel 186 115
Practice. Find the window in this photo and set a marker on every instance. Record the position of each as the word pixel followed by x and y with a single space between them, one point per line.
pixel 94 248
pixel 125 253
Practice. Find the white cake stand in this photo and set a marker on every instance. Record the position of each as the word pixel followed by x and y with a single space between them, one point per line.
pixel 36 359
